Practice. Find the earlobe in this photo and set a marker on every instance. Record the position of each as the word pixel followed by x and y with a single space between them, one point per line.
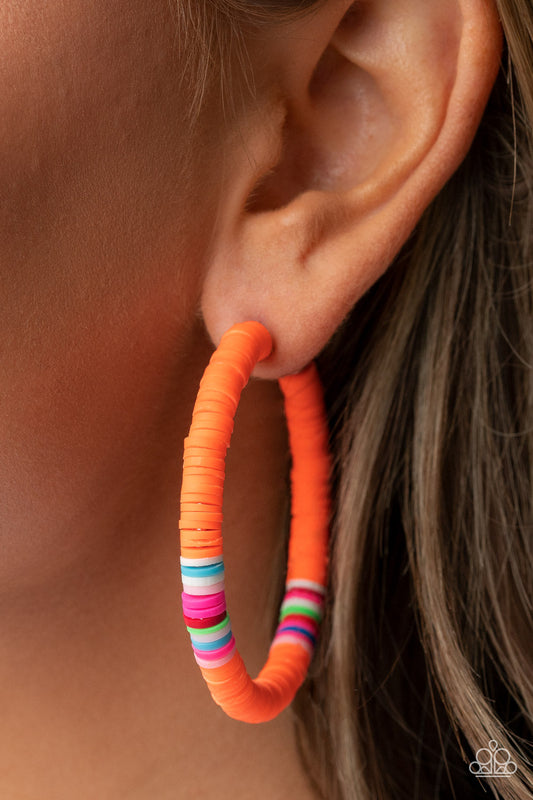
pixel 370 137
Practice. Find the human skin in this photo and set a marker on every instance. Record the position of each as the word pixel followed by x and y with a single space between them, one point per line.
pixel 119 227
pixel 107 203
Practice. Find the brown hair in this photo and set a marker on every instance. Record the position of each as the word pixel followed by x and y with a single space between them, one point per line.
pixel 426 652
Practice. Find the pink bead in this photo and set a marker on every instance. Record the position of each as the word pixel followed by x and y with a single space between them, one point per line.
pixel 214 664
pixel 203 601
pixel 307 594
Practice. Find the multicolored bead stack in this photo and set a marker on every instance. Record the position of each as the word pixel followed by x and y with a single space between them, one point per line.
pixel 204 610
pixel 301 614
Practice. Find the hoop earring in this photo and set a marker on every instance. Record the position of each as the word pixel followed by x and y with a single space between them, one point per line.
pixel 202 566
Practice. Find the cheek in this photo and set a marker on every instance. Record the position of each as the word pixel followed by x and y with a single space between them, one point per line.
pixel 90 431
pixel 106 207
pixel 94 153
pixel 73 80
pixel 105 196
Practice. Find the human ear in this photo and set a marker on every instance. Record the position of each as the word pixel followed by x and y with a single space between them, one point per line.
pixel 375 106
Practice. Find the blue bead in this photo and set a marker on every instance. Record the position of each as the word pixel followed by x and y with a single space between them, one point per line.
pixel 200 572
pixel 211 645
pixel 295 629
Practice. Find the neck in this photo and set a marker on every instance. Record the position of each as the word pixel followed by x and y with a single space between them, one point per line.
pixel 100 684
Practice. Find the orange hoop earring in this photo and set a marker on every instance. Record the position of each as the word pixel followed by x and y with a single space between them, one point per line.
pixel 202 566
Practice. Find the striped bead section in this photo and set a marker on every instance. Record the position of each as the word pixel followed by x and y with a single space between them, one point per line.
pixel 300 614
pixel 204 610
